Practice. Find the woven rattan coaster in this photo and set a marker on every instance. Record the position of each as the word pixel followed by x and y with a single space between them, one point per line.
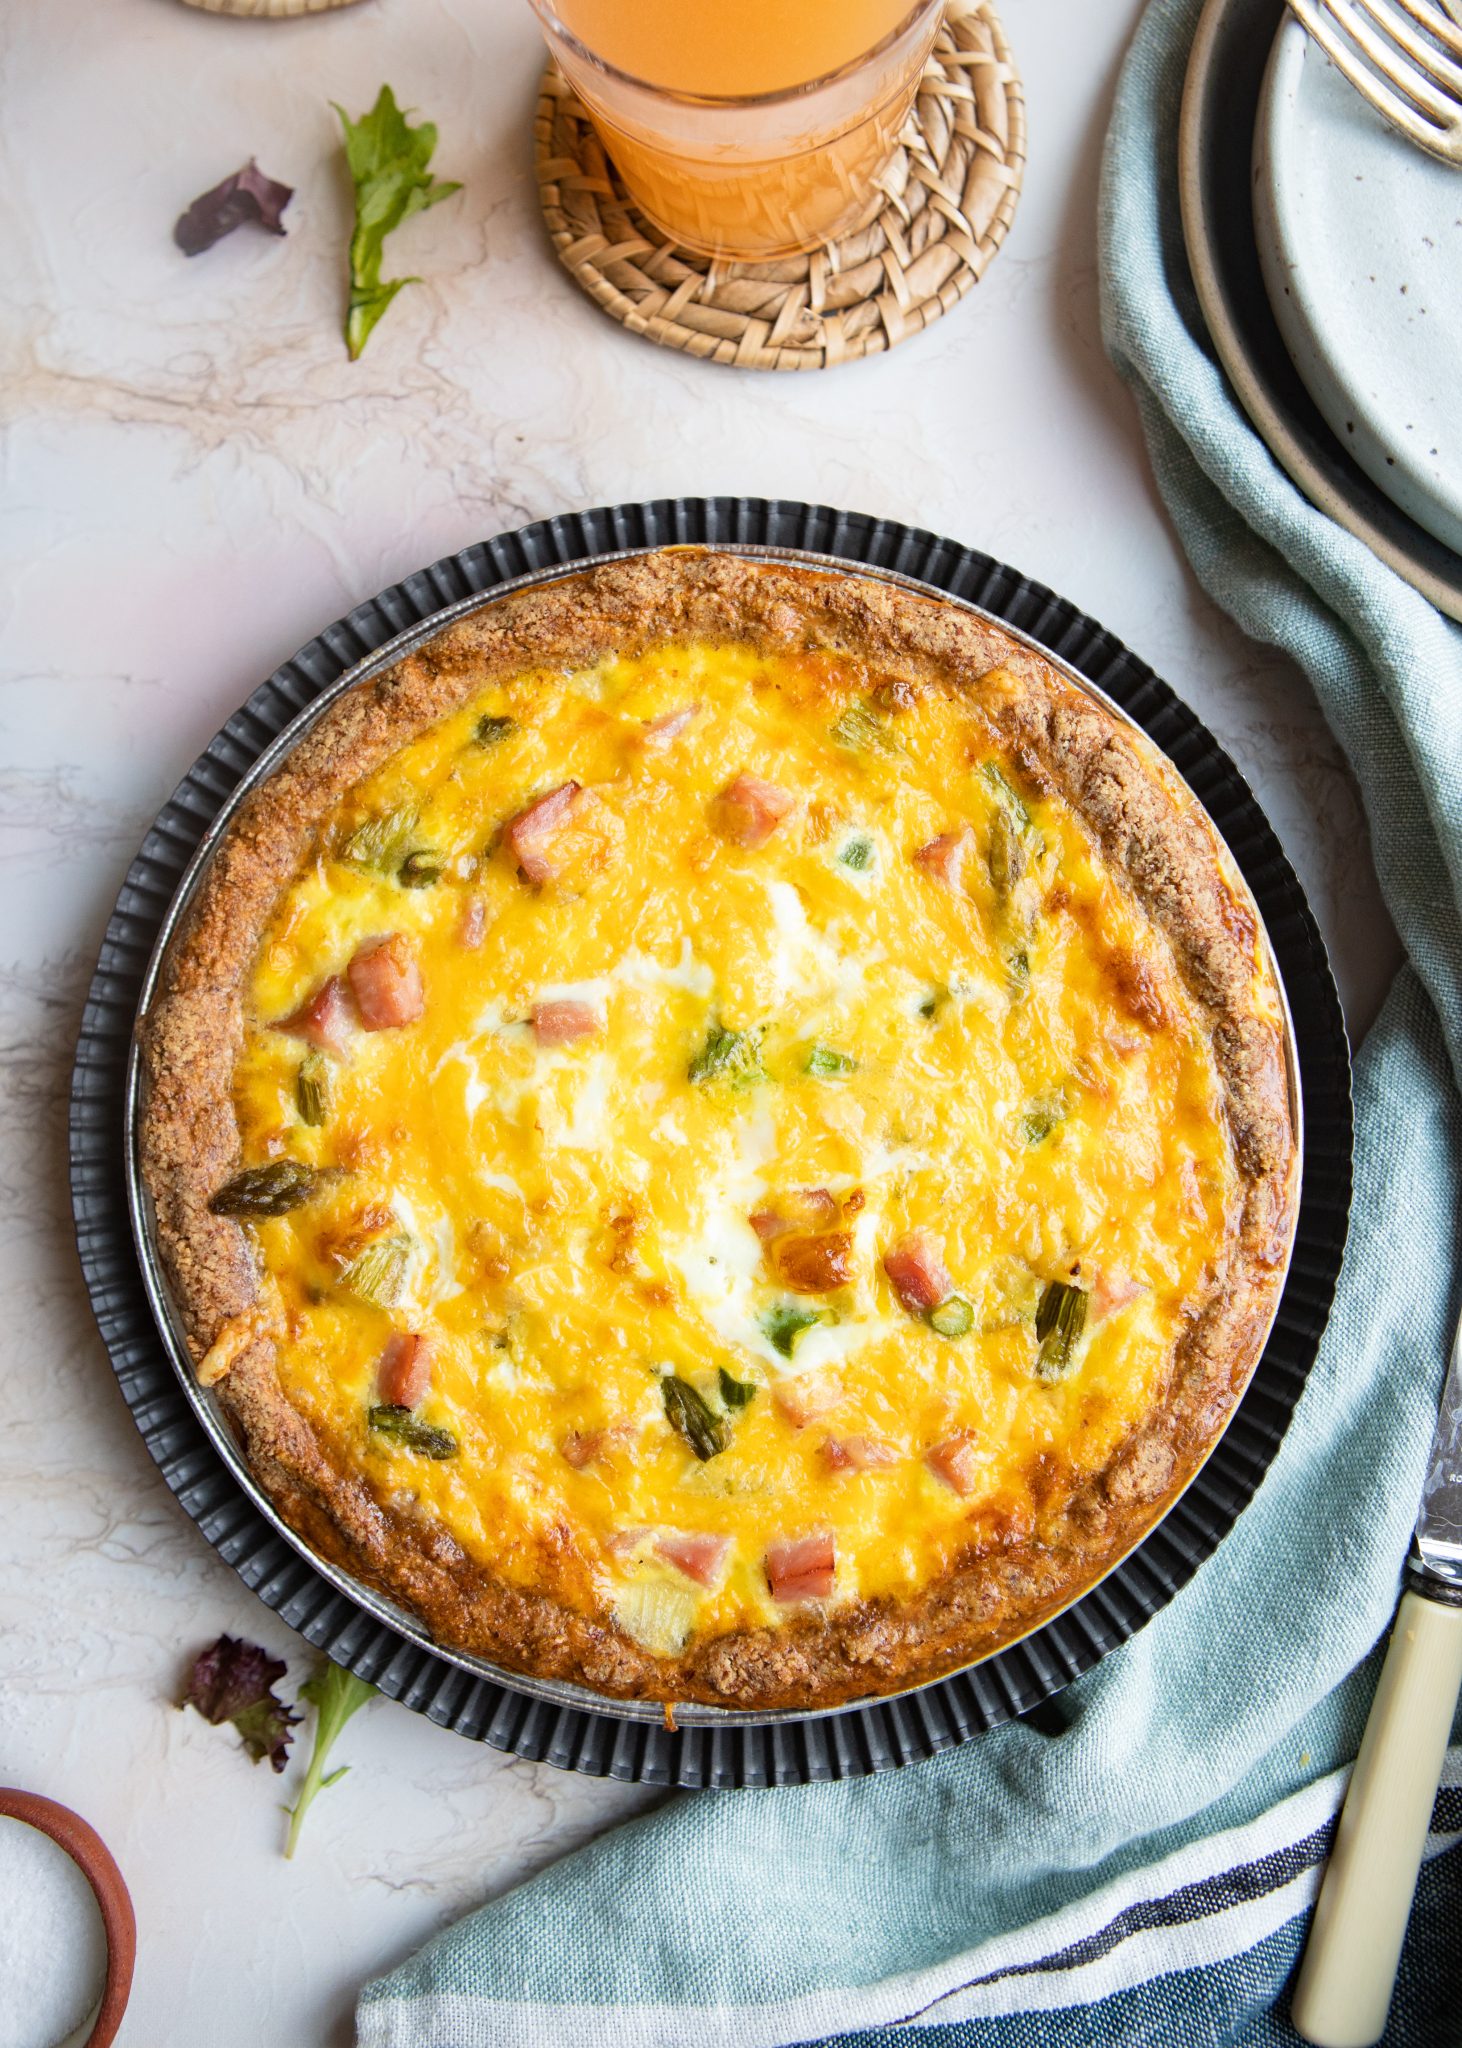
pixel 946 199
pixel 274 10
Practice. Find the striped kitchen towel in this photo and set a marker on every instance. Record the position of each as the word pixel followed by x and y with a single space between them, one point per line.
pixel 1197 1947
pixel 1193 1948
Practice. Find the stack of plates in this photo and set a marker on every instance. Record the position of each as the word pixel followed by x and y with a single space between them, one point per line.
pixel 1325 251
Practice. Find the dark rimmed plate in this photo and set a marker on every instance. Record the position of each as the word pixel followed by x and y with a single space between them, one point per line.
pixel 1221 94
pixel 563 1725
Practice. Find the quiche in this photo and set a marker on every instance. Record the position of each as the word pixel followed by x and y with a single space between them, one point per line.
pixel 722 1132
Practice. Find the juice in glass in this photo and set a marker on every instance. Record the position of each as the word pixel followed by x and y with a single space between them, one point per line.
pixel 746 129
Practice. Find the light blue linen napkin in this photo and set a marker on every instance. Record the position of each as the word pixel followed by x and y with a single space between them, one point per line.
pixel 1140 1876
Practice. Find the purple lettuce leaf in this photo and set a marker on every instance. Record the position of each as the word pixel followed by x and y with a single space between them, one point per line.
pixel 234 1681
pixel 246 196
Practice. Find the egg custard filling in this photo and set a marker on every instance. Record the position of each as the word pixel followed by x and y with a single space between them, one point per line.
pixel 721 1147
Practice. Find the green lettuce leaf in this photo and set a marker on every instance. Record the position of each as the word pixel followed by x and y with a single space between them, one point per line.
pixel 388 160
pixel 335 1695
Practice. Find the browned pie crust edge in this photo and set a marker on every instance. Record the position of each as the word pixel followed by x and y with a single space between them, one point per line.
pixel 1154 839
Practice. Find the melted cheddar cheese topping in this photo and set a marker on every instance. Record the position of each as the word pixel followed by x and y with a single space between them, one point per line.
pixel 863 1032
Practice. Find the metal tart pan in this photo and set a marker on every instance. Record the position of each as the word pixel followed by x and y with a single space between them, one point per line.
pixel 186 1431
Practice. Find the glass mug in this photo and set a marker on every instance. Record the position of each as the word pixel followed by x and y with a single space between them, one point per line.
pixel 745 129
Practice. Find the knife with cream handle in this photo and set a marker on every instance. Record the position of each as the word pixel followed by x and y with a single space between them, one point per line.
pixel 1349 1970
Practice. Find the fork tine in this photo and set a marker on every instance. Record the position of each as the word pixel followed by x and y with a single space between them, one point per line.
pixel 1437 23
pixel 1406 78
pixel 1439 69
pixel 1320 21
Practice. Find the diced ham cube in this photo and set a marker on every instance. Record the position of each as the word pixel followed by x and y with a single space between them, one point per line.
pixel 583 1447
pixel 529 834
pixel 916 1268
pixel 561 1023
pixel 323 1021
pixel 956 1461
pixel 806 1212
pixel 749 810
pixel 943 858
pixel 803 1209
pixel 699 1557
pixel 472 924
pixel 815 1265
pixel 802 1401
pixel 802 1567
pixel 403 1376
pixel 385 980
pixel 661 731
pixel 856 1454
pixel 1112 1290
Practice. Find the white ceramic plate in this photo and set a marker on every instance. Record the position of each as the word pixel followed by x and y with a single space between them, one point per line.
pixel 1221 93
pixel 1360 242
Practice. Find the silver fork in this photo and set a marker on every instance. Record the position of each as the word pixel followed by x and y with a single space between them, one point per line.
pixel 1403 55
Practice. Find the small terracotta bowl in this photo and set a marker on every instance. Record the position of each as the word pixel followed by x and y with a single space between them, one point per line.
pixel 97 1865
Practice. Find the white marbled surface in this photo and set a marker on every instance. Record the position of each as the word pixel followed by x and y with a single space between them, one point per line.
pixel 195 480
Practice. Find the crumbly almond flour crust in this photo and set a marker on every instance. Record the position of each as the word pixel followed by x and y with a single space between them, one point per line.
pixel 1157 845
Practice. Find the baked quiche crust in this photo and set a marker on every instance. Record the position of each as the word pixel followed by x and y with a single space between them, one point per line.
pixel 1005 1574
